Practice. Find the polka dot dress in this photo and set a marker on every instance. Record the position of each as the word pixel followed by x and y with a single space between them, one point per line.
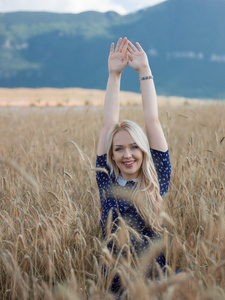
pixel 114 196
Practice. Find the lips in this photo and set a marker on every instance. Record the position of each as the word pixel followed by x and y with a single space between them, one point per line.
pixel 129 164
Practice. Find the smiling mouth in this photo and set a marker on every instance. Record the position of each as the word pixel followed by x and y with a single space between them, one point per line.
pixel 129 163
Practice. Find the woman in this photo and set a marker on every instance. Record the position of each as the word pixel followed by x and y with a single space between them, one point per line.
pixel 124 151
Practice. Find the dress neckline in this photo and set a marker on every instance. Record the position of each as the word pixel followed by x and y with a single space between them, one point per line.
pixel 123 182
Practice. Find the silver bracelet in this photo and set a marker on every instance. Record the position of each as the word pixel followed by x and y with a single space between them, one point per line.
pixel 145 77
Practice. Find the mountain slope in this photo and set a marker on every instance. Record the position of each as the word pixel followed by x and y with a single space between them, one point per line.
pixel 184 40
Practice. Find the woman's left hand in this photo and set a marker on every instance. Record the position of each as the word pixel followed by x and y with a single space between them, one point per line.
pixel 138 59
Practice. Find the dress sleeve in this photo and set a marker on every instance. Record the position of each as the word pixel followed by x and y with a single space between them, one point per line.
pixel 162 165
pixel 101 162
pixel 103 177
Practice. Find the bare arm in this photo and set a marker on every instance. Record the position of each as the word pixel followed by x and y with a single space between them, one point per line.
pixel 117 61
pixel 138 60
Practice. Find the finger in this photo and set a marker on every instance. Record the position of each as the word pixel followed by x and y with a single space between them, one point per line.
pixel 129 49
pixel 123 44
pixel 118 44
pixel 126 57
pixel 139 47
pixel 132 47
pixel 112 48
pixel 130 57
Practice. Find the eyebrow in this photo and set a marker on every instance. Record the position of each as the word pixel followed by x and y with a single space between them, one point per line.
pixel 123 145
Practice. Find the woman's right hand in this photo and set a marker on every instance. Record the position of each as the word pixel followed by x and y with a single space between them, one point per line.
pixel 138 59
pixel 118 59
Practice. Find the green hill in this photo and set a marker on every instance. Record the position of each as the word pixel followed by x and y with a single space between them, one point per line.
pixel 184 40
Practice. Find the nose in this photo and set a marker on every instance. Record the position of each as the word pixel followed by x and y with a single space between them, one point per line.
pixel 127 153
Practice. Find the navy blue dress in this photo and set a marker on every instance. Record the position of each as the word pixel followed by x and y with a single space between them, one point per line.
pixel 111 199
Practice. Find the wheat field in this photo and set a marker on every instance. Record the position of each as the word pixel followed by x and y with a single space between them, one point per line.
pixel 50 238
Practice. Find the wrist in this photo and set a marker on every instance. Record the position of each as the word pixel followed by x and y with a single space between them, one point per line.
pixel 115 75
pixel 145 71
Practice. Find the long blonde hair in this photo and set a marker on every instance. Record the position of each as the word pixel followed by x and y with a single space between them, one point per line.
pixel 146 196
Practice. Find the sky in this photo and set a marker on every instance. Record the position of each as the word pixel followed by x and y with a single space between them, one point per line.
pixel 76 6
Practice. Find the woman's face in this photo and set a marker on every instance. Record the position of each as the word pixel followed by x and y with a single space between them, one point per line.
pixel 127 155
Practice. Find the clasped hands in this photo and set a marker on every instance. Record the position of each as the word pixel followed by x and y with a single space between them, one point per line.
pixel 126 53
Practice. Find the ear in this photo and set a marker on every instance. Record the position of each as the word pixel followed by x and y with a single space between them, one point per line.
pixel 113 157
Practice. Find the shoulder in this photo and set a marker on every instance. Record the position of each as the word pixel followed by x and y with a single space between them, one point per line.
pixel 103 171
pixel 160 157
pixel 101 160
pixel 161 162
pixel 160 154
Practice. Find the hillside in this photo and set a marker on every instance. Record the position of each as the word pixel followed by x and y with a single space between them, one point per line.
pixel 184 40
pixel 78 97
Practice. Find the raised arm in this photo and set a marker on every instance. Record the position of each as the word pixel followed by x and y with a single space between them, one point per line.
pixel 117 61
pixel 138 60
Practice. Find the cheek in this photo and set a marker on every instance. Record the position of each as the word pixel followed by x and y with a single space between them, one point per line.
pixel 141 157
pixel 115 156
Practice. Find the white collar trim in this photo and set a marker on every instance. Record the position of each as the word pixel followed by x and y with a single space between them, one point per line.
pixel 122 182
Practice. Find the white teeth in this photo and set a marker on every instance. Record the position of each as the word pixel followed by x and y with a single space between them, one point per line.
pixel 128 163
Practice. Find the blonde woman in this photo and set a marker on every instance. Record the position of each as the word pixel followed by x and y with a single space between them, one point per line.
pixel 134 161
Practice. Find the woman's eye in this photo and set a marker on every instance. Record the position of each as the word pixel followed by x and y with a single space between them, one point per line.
pixel 118 149
pixel 134 147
